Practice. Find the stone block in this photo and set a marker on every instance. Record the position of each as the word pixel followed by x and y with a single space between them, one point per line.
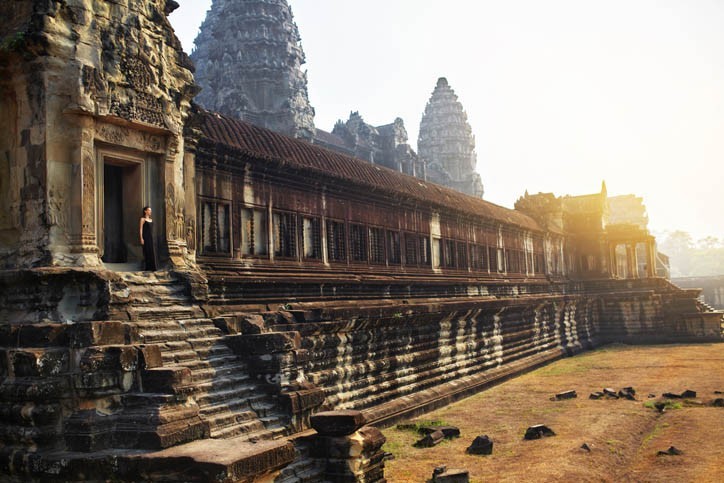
pixel 444 475
pixel 538 431
pixel 112 358
pixel 34 390
pixel 30 414
pixel 168 380
pixel 88 334
pixel 261 344
pixel 209 461
pixel 88 431
pixel 143 435
pixel 303 316
pixel 481 445
pixel 303 400
pixel 149 356
pixel 338 423
pixel 96 384
pixel 449 432
pixel 39 362
pixel 565 395
pixel 430 440
pixel 42 335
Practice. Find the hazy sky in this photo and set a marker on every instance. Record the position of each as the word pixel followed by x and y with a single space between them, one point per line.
pixel 561 94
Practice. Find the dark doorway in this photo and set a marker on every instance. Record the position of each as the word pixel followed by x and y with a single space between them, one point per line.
pixel 113 234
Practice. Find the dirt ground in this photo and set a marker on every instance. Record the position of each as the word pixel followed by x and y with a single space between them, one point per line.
pixel 624 435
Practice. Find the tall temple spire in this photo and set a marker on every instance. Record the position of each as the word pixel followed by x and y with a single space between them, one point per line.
pixel 446 142
pixel 249 63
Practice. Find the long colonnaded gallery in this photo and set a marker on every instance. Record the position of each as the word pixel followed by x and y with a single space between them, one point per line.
pixel 305 296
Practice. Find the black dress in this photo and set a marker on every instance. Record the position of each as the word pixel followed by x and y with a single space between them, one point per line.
pixel 149 254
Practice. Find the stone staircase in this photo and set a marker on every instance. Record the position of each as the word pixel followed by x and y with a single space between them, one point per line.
pixel 161 313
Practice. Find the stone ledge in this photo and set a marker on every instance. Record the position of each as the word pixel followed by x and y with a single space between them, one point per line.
pixel 210 460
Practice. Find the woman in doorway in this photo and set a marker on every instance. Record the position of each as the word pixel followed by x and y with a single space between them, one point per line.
pixel 145 229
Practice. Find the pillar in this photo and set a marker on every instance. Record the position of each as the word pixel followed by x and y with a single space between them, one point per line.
pixel 650 259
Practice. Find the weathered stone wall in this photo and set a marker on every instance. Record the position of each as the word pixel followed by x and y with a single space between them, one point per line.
pixel 390 358
pixel 78 77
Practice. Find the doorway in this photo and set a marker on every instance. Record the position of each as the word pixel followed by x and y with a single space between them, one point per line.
pixel 122 202
pixel 114 242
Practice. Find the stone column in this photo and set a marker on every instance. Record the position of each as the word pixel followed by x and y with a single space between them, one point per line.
pixel 612 262
pixel 84 224
pixel 651 259
pixel 635 260
pixel 352 452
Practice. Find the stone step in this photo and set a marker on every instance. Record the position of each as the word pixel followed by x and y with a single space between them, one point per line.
pixel 222 406
pixel 253 430
pixel 227 418
pixel 225 363
pixel 217 350
pixel 202 374
pixel 169 312
pixel 210 394
pixel 178 356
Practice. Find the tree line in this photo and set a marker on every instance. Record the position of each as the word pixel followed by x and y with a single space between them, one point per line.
pixel 692 258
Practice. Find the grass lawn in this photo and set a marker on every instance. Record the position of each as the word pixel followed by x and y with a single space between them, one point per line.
pixel 624 436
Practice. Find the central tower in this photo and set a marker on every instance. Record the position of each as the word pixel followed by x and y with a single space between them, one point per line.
pixel 446 142
pixel 249 61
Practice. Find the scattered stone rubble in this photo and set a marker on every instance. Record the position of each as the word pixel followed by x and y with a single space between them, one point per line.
pixel 687 394
pixel 672 451
pixel 565 395
pixel 538 431
pixel 481 445
pixel 443 475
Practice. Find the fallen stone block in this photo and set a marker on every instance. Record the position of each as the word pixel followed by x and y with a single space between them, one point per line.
pixel 566 395
pixel 482 445
pixel 586 447
pixel 538 431
pixel 688 394
pixel 718 402
pixel 627 393
pixel 449 432
pixel 672 451
pixel 430 440
pixel 442 475
pixel 596 395
pixel 337 423
pixel 610 393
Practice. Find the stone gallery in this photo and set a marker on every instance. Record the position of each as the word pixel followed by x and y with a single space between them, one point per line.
pixel 305 297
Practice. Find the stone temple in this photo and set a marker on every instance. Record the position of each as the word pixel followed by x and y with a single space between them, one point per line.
pixel 305 298
pixel 249 61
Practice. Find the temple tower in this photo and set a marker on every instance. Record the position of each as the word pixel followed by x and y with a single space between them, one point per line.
pixel 248 61
pixel 447 144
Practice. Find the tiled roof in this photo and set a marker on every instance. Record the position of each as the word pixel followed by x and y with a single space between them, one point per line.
pixel 329 139
pixel 264 144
